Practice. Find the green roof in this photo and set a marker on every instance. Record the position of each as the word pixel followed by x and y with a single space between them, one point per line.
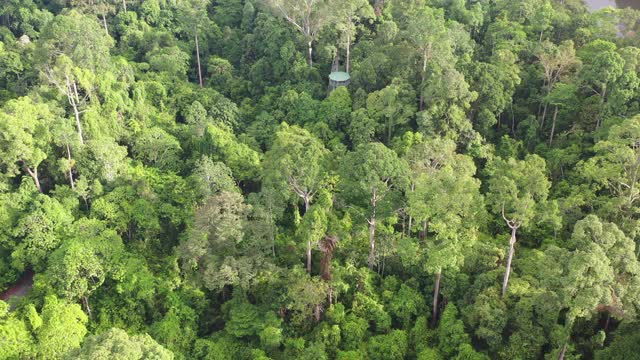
pixel 339 76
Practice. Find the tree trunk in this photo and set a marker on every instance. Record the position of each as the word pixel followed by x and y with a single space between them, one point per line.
pixel 78 124
pixel 413 188
pixel 424 73
pixel 425 228
pixel 73 185
pixel 34 175
pixel 436 293
pixel 553 125
pixel 544 115
pixel 85 300
pixel 348 63
pixel 372 242
pixel 124 5
pixel 507 272
pixel 562 352
pixel 104 22
pixel 317 311
pixel 310 53
pixel 198 58
pixel 72 96
pixel 306 210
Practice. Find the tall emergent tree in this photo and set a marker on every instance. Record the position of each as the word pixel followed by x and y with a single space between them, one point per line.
pixel 96 7
pixel 24 136
pixel 371 178
pixel 295 163
pixel 309 17
pixel 447 197
pixel 427 32
pixel 193 17
pixel 348 15
pixel 71 51
pixel 518 191
pixel 556 61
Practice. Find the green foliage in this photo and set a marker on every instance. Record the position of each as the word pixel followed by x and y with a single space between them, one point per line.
pixel 40 231
pixel 117 344
pixel 157 148
pixel 214 248
pixel 62 330
pixel 602 255
pixel 518 188
pixel 25 127
pixel 222 145
pixel 295 162
pixel 15 338
pixel 170 167
pixel 392 345
pixel 80 266
pixel 625 342
pixel 453 342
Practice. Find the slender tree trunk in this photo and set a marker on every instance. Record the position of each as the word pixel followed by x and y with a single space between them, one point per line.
pixel 124 5
pixel 425 228
pixel 348 63
pixel 34 175
pixel 562 352
pixel 104 22
pixel 507 272
pixel 544 115
pixel 85 300
pixel 198 58
pixel 306 210
pixel 436 293
pixel 78 124
pixel 424 75
pixel 86 203
pixel 310 43
pixel 317 310
pixel 372 242
pixel 72 96
pixel 413 188
pixel 73 185
pixel 553 125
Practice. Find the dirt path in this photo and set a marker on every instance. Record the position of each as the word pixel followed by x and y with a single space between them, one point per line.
pixel 20 288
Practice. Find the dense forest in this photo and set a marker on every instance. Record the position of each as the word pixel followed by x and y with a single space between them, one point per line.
pixel 179 181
